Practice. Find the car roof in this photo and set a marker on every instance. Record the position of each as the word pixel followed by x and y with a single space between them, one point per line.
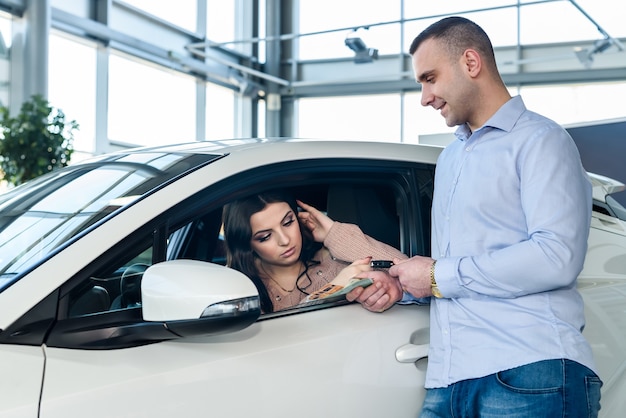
pixel 602 186
pixel 291 149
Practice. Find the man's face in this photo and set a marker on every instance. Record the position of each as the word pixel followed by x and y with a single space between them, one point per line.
pixel 445 86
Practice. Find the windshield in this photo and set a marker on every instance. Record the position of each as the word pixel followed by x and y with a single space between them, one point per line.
pixel 617 208
pixel 40 216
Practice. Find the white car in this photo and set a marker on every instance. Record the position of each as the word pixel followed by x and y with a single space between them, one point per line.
pixel 114 298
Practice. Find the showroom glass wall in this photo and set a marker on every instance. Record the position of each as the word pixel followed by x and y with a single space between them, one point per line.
pixel 143 103
pixel 5 58
pixel 401 117
pixel 146 104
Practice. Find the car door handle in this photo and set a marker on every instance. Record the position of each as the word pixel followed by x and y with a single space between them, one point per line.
pixel 410 353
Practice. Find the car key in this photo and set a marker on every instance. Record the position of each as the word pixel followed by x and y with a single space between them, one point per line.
pixel 381 264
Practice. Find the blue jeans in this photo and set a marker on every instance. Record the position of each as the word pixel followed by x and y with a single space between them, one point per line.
pixel 550 389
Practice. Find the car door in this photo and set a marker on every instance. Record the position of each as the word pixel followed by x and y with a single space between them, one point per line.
pixel 333 358
pixel 340 361
pixel 20 386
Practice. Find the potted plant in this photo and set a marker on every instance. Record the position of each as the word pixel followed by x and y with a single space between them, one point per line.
pixel 35 141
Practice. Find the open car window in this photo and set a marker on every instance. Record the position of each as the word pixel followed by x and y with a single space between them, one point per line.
pixel 380 202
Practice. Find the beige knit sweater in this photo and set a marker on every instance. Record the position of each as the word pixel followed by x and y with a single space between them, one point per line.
pixel 343 244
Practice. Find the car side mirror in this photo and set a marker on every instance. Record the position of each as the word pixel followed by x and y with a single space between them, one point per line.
pixel 196 298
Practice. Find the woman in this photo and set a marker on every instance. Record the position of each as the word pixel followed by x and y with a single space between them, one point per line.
pixel 289 255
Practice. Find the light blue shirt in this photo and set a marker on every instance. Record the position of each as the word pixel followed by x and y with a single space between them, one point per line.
pixel 511 213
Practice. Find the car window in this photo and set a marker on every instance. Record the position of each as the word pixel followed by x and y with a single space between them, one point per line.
pixel 375 206
pixel 115 286
pixel 377 202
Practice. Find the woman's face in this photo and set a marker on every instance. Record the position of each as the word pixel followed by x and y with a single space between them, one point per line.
pixel 276 236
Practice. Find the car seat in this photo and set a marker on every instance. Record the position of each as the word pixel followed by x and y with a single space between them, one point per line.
pixel 372 208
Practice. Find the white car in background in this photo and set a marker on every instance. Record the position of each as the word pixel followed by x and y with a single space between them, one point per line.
pixel 606 255
pixel 114 298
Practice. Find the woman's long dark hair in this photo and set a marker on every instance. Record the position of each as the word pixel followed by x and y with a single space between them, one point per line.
pixel 238 235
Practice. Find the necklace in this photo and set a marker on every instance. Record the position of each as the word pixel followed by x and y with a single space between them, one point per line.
pixel 279 285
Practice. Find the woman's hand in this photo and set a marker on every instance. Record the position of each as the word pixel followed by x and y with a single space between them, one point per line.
pixel 318 223
pixel 354 269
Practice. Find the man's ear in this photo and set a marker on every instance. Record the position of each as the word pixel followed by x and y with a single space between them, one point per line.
pixel 472 62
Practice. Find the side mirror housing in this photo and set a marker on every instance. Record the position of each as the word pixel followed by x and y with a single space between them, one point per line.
pixel 195 298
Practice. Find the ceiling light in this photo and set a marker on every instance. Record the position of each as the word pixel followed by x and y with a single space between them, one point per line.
pixel 362 54
pixel 585 56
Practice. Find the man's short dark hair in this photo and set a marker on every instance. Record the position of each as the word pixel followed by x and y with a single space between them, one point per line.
pixel 457 34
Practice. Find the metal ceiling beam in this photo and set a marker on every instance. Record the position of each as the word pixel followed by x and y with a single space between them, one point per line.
pixel 408 84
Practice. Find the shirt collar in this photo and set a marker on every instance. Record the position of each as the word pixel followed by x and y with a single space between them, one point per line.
pixel 505 118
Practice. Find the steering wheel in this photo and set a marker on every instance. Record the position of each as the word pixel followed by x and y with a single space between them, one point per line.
pixel 130 285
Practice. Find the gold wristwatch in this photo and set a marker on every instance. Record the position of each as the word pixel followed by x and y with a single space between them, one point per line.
pixel 433 284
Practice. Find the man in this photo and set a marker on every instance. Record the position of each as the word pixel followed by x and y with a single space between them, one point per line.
pixel 510 222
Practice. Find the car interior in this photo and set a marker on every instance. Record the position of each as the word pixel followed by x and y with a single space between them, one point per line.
pixel 373 208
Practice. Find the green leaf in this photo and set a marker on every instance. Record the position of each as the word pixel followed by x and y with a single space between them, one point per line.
pixel 35 141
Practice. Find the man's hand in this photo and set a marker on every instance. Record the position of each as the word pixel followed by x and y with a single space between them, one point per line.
pixel 380 295
pixel 413 275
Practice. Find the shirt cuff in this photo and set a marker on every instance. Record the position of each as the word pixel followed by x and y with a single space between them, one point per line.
pixel 409 299
pixel 445 271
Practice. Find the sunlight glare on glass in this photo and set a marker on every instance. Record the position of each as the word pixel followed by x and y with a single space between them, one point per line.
pixel 369 118
pixel 180 12
pixel 149 106
pixel 72 86
pixel 315 17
